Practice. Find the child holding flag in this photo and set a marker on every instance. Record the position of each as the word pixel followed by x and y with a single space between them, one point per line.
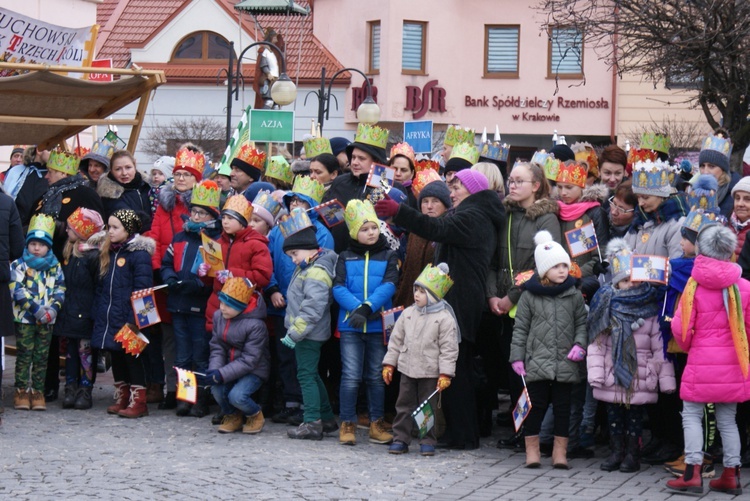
pixel 424 348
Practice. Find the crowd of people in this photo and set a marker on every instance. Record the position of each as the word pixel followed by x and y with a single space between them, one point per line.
pixel 604 286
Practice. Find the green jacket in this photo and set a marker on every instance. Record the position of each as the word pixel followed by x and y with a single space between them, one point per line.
pixel 546 329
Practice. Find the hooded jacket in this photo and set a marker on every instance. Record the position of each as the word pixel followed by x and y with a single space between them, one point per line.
pixel 597 215
pixel 168 220
pixel 116 196
pixel 309 299
pixel 32 289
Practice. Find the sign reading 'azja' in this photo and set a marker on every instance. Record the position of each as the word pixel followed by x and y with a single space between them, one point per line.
pixel 272 126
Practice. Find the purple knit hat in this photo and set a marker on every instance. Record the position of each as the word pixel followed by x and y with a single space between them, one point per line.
pixel 473 180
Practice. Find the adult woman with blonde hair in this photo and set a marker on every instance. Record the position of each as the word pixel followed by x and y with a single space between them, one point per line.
pixel 493 175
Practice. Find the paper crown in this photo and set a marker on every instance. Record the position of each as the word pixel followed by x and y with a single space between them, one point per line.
pixel 652 178
pixel 357 213
pixel 238 207
pixel 83 225
pixel 718 143
pixel 305 185
pixel 63 161
pixel 403 149
pixel 572 172
pixel 207 194
pixel 584 152
pixel 316 146
pixel 422 179
pixel 103 148
pixel 372 135
pixel 636 155
pixel 622 262
pixel 251 156
pixel 467 151
pixel 549 164
pixel 240 289
pixel 41 227
pixel 264 200
pixel 495 151
pixel 698 218
pixel 193 162
pixel 455 135
pixel 425 164
pixel 297 220
pixel 702 195
pixel 435 280
pixel 81 151
pixel 279 168
pixel 655 141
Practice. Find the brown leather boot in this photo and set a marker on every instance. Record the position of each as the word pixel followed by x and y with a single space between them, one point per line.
pixel 155 393
pixel 560 453
pixel 137 407
pixel 533 456
pixel 122 398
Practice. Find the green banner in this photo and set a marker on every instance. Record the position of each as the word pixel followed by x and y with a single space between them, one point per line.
pixel 241 136
pixel 272 126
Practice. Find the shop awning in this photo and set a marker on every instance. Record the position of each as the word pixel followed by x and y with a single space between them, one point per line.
pixel 280 7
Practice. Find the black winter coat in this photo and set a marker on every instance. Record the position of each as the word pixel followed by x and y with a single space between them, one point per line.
pixel 81 280
pixel 11 248
pixel 33 188
pixel 117 196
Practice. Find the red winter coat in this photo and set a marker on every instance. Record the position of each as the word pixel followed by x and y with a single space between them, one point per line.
pixel 712 373
pixel 246 255
pixel 168 220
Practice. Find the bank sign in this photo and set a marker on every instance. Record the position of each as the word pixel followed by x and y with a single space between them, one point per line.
pixel 534 108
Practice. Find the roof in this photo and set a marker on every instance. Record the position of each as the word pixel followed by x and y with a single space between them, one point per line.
pixel 129 23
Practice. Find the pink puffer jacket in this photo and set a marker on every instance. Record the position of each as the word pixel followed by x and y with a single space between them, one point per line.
pixel 712 373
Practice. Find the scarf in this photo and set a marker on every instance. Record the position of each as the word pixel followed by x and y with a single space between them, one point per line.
pixel 673 207
pixel 535 286
pixel 439 306
pixel 16 177
pixel 722 193
pixel 621 312
pixel 571 212
pixel 132 185
pixel 191 227
pixel 51 202
pixel 736 224
pixel 358 248
pixel 42 263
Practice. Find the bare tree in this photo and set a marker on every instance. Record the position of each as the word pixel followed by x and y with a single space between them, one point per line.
pixel 684 136
pixel 701 44
pixel 205 132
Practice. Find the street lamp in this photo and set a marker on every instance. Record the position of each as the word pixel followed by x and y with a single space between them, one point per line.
pixel 367 112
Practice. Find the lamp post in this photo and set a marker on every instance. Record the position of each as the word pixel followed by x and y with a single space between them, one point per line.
pixel 283 91
pixel 367 112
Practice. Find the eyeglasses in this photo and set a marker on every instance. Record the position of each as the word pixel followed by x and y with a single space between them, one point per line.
pixel 517 182
pixel 614 207
pixel 198 212
pixel 181 174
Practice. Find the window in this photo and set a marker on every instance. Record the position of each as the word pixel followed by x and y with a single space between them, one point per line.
pixel 202 47
pixel 413 48
pixel 373 66
pixel 565 53
pixel 501 51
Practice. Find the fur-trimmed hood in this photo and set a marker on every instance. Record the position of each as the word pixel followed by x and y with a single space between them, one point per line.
pixel 141 242
pixel 168 195
pixel 95 242
pixel 539 208
pixel 594 193
pixel 106 188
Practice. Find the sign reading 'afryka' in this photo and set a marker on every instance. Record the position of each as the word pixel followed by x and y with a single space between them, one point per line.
pixel 272 126
pixel 418 135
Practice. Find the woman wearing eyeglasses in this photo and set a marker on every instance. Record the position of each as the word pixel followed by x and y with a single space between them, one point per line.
pixel 622 206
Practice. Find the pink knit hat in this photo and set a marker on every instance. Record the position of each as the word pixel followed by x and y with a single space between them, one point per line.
pixel 473 180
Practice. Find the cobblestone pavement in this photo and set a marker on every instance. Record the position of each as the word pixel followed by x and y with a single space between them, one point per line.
pixel 70 454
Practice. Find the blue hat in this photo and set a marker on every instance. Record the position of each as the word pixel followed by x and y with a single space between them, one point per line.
pixel 256 187
pixel 339 144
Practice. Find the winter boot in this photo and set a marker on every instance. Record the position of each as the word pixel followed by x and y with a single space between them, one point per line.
pixel 533 457
pixel 69 398
pixel 632 461
pixel 122 398
pixel 378 433
pixel 200 408
pixel 347 433
pixel 21 400
pixel 560 453
pixel 691 482
pixel 37 401
pixel 254 424
pixel 231 423
pixel 83 398
pixel 183 408
pixel 728 482
pixel 137 407
pixel 617 446
pixel 169 402
pixel 155 393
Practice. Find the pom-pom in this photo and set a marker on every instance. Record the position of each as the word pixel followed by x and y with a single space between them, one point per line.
pixel 444 268
pixel 637 324
pixel 706 182
pixel 542 237
pixel 686 166
pixel 616 246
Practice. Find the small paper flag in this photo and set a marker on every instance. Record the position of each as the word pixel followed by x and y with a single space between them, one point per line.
pixel 132 341
pixel 331 212
pixel 389 321
pixel 381 176
pixel 582 240
pixel 647 268
pixel 424 416
pixel 144 308
pixel 522 409
pixel 211 254
pixel 187 385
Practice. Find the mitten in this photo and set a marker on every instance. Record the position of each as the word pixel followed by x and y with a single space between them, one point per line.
pixel 386 208
pixel 443 382
pixel 52 313
pixel 42 315
pixel 601 268
pixel 358 317
pixel 223 275
pixel 173 284
pixel 576 354
pixel 203 269
pixel 387 374
pixel 519 367
pixel 213 377
pixel 288 342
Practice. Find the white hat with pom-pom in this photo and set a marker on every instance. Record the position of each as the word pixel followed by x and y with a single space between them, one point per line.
pixel 548 253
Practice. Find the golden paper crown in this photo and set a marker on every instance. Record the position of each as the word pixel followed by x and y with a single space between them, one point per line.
pixel 305 185
pixel 103 148
pixel 265 200
pixel 357 213
pixel 572 172
pixel 207 194
pixel 63 161
pixel 239 206
pixel 372 135
pixel 251 156
pixel 403 149
pixel 316 146
pixel 279 168
pixel 718 143
pixel 455 134
pixel 584 152
pixel 42 227
pixel 82 225
pixel 240 289
pixel 296 221
pixel 655 141
pixel 422 179
pixel 435 280
pixel 636 155
pixel 652 178
pixel 426 163
pixel 698 218
pixel 467 151
pixel 190 161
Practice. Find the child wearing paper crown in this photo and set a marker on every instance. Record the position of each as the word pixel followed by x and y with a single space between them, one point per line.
pixel 125 267
pixel 626 365
pixel 711 326
pixel 38 290
pixel 81 269
pixel 240 361
pixel 548 339
pixel 424 348
pixel 307 321
pixel 366 277
pixel 188 293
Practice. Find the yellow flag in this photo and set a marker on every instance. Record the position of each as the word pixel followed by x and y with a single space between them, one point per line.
pixel 187 385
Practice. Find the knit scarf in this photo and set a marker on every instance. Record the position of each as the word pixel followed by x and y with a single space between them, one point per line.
pixel 622 311
pixel 52 199
pixel 736 224
pixel 535 286
pixel 673 207
pixel 192 227
pixel 571 212
pixel 360 249
pixel 42 263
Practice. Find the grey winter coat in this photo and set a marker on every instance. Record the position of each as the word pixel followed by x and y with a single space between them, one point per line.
pixel 309 299
pixel 546 329
pixel 661 239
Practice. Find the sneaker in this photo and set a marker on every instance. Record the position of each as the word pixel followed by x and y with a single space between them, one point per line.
pixel 307 431
pixel 284 416
pixel 37 401
pixel 363 421
pixel 427 450
pixel 347 433
pixel 378 435
pixel 330 425
pixel 398 447
pixel 707 470
pixel 254 424
pixel 21 400
pixel 231 423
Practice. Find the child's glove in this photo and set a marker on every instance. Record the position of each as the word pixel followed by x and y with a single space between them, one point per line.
pixel 443 382
pixel 519 367
pixel 358 318
pixel 576 354
pixel 387 374
pixel 288 342
pixel 213 377
pixel 223 275
pixel 203 269
pixel 173 284
pixel 43 315
pixel 386 208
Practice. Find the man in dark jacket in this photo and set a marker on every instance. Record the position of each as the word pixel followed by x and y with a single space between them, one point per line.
pixel 26 183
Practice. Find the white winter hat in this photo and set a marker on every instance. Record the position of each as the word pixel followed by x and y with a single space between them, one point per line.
pixel 165 165
pixel 548 253
pixel 742 185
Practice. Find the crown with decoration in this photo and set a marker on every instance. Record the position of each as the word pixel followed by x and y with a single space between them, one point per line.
pixel 636 155
pixel 403 149
pixel 457 134
pixel 305 185
pixel 279 168
pixel 265 200
pixel 495 151
pixel 655 141
pixel 422 179
pixel 549 164
pixel 435 279
pixel 206 194
pixel 84 226
pixel 466 151
pixel 63 161
pixel 622 262
pixel 584 152
pixel 572 172
pixel 425 164
pixel 372 135
pixel 315 146
pixel 295 221
pixel 102 148
pixel 81 151
pixel 191 161
pixel 697 219
pixel 240 289
pixel 717 142
pixel 357 213
pixel 238 207
pixel 251 156
pixel 652 178
pixel 41 227
pixel 702 194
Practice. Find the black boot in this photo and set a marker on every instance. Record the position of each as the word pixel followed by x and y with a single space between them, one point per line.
pixel 617 447
pixel 632 461
pixel 69 398
pixel 83 398
pixel 515 442
pixel 169 402
pixel 183 408
pixel 200 408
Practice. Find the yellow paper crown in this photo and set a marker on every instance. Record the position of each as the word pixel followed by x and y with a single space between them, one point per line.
pixel 584 152
pixel 193 162
pixel 572 172
pixel 296 221
pixel 63 161
pixel 422 179
pixel 357 213
pixel 456 134
pixel 403 149
pixel 251 156
pixel 316 146
pixel 372 135
pixel 238 205
pixel 207 194
pixel 467 151
pixel 41 227
pixel 305 185
pixel 435 279
pixel 655 141
pixel 279 168
pixel 239 288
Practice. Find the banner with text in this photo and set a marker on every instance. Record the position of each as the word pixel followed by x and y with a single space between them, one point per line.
pixel 418 135
pixel 272 126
